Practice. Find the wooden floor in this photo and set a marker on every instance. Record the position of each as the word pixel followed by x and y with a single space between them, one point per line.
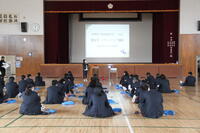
pixel 69 119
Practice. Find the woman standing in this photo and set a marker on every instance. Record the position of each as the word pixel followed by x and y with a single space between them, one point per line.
pixel 85 70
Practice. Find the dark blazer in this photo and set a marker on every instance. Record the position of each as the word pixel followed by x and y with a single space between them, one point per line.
pixel 31 104
pixel 30 82
pixel 98 106
pixel 164 86
pixel 124 81
pixel 12 89
pixel 55 95
pixel 189 81
pixel 88 92
pixel 39 81
pixel 22 85
pixel 150 104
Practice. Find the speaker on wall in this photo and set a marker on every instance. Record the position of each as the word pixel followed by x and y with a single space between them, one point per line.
pixel 198 25
pixel 24 26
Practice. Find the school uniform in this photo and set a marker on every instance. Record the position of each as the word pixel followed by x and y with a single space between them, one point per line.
pixel 55 95
pixel 22 85
pixel 151 81
pixel 2 69
pixel 124 81
pixel 39 81
pixel 98 105
pixel 88 92
pixel 150 104
pixel 31 104
pixel 85 70
pixel 12 89
pixel 69 86
pixel 164 86
pixel 189 81
pixel 30 82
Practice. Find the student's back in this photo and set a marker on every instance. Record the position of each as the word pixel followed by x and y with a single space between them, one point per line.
pixel 164 85
pixel 11 88
pixel 98 105
pixel 190 81
pixel 150 104
pixel 55 94
pixel 39 80
pixel 31 104
pixel 22 84
pixel 29 80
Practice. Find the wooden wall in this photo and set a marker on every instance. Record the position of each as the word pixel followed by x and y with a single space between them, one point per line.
pixel 58 70
pixel 189 48
pixel 15 45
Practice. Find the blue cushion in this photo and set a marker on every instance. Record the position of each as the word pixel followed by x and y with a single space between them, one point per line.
pixel 80 97
pixel 68 103
pixel 110 101
pixel 176 91
pixel 118 87
pixel 11 101
pixel 36 88
pixel 51 111
pixel 169 112
pixel 117 109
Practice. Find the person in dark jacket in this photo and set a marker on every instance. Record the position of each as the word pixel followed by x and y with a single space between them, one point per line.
pixel 151 103
pixel 29 80
pixel 55 94
pixel 22 84
pixel 98 105
pixel 163 84
pixel 39 80
pixel 11 88
pixel 85 69
pixel 189 81
pixel 2 84
pixel 125 79
pixel 2 69
pixel 69 85
pixel 135 85
pixel 31 102
pixel 89 91
pixel 69 75
pixel 150 80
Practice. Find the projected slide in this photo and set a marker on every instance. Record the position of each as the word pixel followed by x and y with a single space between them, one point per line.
pixel 107 40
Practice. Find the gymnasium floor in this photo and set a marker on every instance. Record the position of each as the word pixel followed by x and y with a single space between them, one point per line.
pixel 69 119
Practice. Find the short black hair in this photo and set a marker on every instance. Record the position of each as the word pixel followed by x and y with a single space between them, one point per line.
pixel 190 73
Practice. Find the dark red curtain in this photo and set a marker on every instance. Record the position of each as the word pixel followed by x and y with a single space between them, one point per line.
pixel 165 37
pixel 56 38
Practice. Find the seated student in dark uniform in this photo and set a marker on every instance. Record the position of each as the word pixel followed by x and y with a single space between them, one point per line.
pixel 70 75
pixel 69 85
pixel 22 84
pixel 98 105
pixel 89 91
pixel 151 103
pixel 189 81
pixel 163 84
pixel 125 80
pixel 150 80
pixel 11 88
pixel 55 95
pixel 31 103
pixel 2 84
pixel 39 80
pixel 135 85
pixel 29 80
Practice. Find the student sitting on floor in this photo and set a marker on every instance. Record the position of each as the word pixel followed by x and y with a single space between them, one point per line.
pixel 29 80
pixel 125 80
pixel 163 84
pixel 22 84
pixel 39 81
pixel 150 102
pixel 134 85
pixel 89 91
pixel 31 103
pixel 11 88
pixel 2 84
pixel 69 85
pixel 69 75
pixel 189 81
pixel 98 105
pixel 55 94
pixel 150 80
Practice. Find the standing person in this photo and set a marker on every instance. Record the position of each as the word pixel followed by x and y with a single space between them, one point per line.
pixel 2 69
pixel 85 70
